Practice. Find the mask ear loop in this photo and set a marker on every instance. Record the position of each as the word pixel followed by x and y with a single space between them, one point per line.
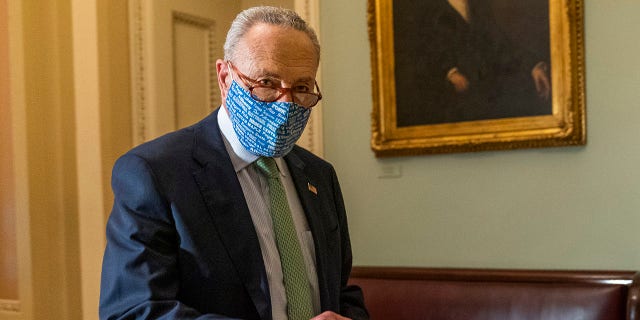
pixel 230 71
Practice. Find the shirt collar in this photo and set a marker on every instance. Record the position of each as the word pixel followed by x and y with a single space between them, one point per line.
pixel 240 156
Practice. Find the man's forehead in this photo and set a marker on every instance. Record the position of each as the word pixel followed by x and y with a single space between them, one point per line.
pixel 277 52
pixel 267 39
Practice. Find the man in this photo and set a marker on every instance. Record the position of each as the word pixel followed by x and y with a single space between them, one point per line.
pixel 200 215
pixel 466 67
pixel 488 32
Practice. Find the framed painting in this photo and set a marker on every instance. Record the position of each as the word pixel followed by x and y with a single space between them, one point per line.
pixel 475 75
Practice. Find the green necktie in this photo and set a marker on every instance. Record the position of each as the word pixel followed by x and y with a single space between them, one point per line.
pixel 296 282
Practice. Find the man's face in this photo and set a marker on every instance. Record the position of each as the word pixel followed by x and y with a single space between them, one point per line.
pixel 281 56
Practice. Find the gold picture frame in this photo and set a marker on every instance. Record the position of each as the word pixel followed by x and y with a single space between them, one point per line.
pixel 563 124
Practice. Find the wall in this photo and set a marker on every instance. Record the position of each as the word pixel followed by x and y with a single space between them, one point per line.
pixel 43 158
pixel 575 207
pixel 50 156
pixel 8 261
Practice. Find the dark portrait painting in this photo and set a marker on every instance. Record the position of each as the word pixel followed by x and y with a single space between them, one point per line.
pixel 468 60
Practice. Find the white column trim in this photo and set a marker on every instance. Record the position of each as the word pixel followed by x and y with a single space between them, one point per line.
pixel 312 139
pixel 138 76
pixel 23 307
pixel 141 41
pixel 91 220
pixel 214 101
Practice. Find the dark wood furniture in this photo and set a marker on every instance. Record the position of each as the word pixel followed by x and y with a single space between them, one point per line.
pixel 478 294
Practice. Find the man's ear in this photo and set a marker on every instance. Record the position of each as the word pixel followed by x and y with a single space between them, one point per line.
pixel 224 78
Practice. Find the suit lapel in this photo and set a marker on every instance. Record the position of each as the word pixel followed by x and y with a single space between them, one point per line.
pixel 225 200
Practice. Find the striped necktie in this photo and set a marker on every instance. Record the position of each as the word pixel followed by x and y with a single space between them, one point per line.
pixel 296 282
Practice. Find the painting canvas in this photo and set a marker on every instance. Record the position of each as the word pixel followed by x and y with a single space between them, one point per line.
pixel 470 75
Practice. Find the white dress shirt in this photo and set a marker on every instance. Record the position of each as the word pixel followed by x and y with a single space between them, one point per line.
pixel 256 192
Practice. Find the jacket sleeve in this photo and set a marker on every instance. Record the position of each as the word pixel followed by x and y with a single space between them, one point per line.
pixel 139 272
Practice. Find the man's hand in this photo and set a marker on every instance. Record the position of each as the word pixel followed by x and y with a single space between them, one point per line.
pixel 328 315
pixel 458 80
pixel 541 80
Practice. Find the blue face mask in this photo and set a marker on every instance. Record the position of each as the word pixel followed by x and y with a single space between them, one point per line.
pixel 268 129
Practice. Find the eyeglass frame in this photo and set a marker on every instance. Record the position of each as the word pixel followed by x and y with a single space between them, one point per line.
pixel 252 84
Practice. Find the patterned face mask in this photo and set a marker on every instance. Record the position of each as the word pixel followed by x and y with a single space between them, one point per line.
pixel 268 129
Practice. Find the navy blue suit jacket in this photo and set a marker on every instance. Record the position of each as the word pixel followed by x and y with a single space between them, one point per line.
pixel 181 243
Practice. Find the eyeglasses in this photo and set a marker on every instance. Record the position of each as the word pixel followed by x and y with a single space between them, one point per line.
pixel 270 92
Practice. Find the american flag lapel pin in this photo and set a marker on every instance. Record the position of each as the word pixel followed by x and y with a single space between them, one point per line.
pixel 312 188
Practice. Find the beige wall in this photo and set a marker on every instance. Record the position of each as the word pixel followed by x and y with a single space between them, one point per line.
pixel 43 157
pixel 50 150
pixel 576 207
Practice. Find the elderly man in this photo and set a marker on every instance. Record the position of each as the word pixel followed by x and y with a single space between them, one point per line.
pixel 228 219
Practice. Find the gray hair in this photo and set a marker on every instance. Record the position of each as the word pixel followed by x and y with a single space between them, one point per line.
pixel 270 15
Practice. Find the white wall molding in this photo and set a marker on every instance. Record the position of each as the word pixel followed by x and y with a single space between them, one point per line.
pixel 162 100
pixel 312 139
pixel 23 308
pixel 91 221
pixel 138 92
pixel 214 95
